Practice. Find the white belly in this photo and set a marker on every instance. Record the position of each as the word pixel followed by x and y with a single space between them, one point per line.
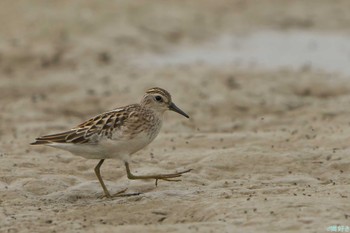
pixel 107 148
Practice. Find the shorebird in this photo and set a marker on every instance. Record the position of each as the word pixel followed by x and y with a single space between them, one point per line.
pixel 118 134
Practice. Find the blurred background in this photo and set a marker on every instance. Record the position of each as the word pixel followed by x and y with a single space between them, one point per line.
pixel 79 58
pixel 266 84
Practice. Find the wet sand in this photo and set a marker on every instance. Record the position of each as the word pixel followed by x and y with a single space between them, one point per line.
pixel 268 145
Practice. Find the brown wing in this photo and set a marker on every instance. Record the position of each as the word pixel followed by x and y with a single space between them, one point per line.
pixel 71 136
pixel 101 125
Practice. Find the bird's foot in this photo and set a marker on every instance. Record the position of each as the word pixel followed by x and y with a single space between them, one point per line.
pixel 118 194
pixel 170 177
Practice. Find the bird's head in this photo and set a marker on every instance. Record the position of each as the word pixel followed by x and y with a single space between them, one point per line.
pixel 159 100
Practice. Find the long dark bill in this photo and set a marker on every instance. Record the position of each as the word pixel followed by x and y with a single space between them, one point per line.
pixel 174 108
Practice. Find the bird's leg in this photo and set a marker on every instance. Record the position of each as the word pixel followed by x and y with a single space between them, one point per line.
pixel 98 174
pixel 166 177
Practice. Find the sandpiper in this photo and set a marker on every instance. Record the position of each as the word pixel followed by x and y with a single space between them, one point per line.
pixel 118 134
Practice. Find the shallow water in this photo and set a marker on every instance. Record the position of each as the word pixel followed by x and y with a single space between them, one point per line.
pixel 267 49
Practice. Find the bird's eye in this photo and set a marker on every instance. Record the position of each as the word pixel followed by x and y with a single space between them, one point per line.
pixel 159 98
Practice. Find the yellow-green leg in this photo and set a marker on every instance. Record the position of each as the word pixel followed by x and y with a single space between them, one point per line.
pixel 105 190
pixel 166 177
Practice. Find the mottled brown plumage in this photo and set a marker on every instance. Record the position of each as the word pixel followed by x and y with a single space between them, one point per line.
pixel 118 133
pixel 127 122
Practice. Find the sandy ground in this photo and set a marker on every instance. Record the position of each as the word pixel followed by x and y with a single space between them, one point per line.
pixel 269 149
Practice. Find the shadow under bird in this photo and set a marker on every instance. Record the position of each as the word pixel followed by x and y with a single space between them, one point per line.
pixel 118 134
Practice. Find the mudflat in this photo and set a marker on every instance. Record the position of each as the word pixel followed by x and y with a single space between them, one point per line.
pixel 269 147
